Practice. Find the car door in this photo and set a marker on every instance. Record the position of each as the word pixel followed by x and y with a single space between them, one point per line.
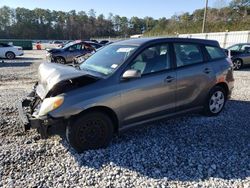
pixel 153 94
pixel 194 76
pixel 1 51
pixel 246 53
pixel 73 51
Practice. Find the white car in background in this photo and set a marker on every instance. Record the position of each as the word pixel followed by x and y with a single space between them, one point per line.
pixel 9 51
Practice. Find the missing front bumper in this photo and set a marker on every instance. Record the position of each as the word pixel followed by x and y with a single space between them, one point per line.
pixel 42 124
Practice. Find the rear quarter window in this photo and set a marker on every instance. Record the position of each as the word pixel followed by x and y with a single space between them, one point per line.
pixel 215 52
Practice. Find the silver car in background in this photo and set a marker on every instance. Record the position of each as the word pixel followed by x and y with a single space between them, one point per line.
pixel 126 84
pixel 70 51
pixel 9 51
pixel 240 54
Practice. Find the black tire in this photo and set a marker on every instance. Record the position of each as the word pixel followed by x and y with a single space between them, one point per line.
pixel 92 130
pixel 10 55
pixel 215 103
pixel 237 64
pixel 60 60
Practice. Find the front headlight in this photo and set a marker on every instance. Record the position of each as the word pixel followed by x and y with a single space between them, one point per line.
pixel 50 104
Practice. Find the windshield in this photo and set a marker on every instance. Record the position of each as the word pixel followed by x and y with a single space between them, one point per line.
pixel 108 59
pixel 68 45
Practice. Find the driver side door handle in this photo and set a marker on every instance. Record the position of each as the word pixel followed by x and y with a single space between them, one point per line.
pixel 169 79
pixel 207 70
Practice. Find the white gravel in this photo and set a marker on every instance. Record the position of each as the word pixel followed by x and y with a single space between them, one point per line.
pixel 189 151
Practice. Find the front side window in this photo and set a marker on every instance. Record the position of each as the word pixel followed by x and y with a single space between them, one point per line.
pixel 215 52
pixel 187 54
pixel 152 59
pixel 107 60
pixel 75 47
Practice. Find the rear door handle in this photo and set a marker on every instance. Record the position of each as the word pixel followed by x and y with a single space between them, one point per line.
pixel 169 79
pixel 207 70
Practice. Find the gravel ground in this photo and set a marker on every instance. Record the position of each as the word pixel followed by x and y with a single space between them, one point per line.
pixel 189 151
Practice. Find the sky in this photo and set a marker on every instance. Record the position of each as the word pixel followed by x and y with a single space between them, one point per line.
pixel 128 8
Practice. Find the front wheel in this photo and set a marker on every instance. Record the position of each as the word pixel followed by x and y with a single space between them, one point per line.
pixel 10 55
pixel 60 60
pixel 215 101
pixel 92 130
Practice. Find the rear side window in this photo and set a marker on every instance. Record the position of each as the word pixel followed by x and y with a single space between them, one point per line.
pixel 215 52
pixel 187 54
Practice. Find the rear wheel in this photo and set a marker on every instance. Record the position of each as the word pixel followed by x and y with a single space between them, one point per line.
pixel 92 130
pixel 237 64
pixel 215 101
pixel 60 60
pixel 10 55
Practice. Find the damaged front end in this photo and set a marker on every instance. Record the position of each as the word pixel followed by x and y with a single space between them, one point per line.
pixel 48 95
pixel 28 110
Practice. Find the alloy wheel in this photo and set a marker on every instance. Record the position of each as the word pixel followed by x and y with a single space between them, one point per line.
pixel 60 60
pixel 237 64
pixel 216 102
pixel 10 55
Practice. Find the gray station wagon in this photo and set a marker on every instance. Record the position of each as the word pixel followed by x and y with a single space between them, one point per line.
pixel 126 84
pixel 240 55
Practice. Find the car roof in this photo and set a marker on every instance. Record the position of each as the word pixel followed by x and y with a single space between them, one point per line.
pixel 141 41
pixel 242 44
pixel 238 44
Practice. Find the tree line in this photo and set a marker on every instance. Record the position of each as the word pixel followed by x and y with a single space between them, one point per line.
pixel 22 23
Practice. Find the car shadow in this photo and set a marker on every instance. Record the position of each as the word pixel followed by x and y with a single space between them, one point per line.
pixel 188 148
pixel 15 64
pixel 28 58
pixel 245 69
pixel 20 58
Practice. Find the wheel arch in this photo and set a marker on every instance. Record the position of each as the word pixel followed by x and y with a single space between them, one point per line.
pixel 106 110
pixel 239 58
pixel 224 86
pixel 9 52
pixel 59 56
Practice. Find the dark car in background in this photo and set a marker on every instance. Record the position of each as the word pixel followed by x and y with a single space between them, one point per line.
pixel 240 54
pixel 71 50
pixel 126 84
pixel 104 42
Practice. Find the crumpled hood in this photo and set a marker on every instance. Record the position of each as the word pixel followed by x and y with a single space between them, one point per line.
pixel 50 74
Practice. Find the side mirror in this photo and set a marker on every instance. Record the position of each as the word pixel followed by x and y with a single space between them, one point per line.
pixel 131 73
